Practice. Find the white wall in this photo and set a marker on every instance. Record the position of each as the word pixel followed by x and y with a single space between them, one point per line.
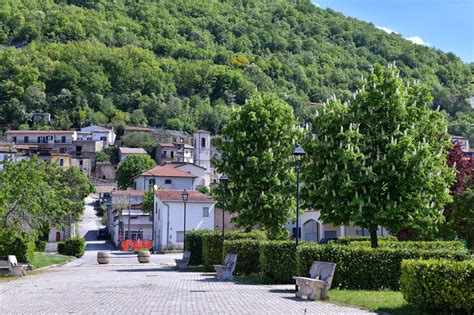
pixel 202 178
pixel 177 183
pixel 194 221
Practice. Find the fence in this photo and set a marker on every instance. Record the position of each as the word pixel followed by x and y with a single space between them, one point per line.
pixel 132 245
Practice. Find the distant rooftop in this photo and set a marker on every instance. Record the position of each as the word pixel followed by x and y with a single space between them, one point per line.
pixel 124 150
pixel 163 171
pixel 176 195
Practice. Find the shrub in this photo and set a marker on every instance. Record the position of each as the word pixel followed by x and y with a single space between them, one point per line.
pixel 61 248
pixel 439 284
pixel 345 240
pixel 248 252
pixel 194 245
pixel 40 245
pixel 21 245
pixel 277 261
pixel 362 267
pixel 424 245
pixel 212 251
pixel 75 246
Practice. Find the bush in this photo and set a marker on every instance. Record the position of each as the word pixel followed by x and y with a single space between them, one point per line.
pixel 248 252
pixel 345 240
pixel 75 246
pixel 439 284
pixel 212 251
pixel 21 245
pixel 40 245
pixel 61 248
pixel 194 245
pixel 362 267
pixel 277 261
pixel 424 245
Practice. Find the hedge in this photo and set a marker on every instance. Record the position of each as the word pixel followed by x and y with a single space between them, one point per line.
pixel 212 251
pixel 345 240
pixel 277 261
pixel 75 246
pixel 248 252
pixel 61 248
pixel 361 267
pixel 40 245
pixel 439 284
pixel 21 245
pixel 423 245
pixel 194 245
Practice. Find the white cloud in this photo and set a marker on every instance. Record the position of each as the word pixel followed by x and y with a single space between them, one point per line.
pixel 418 40
pixel 386 29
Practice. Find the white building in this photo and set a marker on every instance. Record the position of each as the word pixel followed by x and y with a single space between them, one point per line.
pixel 313 229
pixel 169 216
pixel 124 152
pixel 10 154
pixel 202 177
pixel 202 149
pixel 141 226
pixel 164 178
pixel 97 133
pixel 174 152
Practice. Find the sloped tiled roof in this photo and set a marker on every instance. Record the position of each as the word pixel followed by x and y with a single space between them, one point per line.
pixel 124 150
pixel 163 171
pixel 176 195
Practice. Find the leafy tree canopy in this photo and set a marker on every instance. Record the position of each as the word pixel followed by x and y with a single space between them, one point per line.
pixel 140 140
pixel 132 166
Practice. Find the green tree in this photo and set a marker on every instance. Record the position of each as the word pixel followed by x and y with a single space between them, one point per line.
pixel 148 200
pixel 462 216
pixel 140 140
pixel 132 166
pixel 380 160
pixel 256 154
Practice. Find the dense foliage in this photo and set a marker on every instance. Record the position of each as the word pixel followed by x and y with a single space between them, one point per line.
pixel 180 64
pixel 381 160
pixel 248 254
pixel 366 268
pixel 20 244
pixel 277 261
pixel 75 246
pixel 132 166
pixel 256 148
pixel 439 285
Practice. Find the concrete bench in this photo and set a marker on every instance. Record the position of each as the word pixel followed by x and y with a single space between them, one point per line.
pixel 183 262
pixel 16 269
pixel 226 271
pixel 318 283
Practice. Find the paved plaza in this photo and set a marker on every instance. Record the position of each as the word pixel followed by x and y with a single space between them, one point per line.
pixel 139 289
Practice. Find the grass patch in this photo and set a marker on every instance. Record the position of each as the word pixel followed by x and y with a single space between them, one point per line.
pixel 391 302
pixel 44 259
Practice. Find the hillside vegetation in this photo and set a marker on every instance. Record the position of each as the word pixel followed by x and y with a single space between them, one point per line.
pixel 183 64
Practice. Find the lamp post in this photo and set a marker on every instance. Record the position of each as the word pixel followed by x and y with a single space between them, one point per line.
pixel 298 153
pixel 223 180
pixel 185 196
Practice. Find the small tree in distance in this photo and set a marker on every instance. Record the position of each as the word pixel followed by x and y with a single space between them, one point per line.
pixel 380 160
pixel 132 166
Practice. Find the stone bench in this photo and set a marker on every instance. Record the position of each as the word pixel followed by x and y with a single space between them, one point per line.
pixel 16 269
pixel 318 283
pixel 226 271
pixel 183 262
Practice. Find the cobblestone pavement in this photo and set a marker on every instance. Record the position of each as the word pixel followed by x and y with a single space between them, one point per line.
pixel 139 289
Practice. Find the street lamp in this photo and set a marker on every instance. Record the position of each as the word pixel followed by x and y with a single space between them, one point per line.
pixel 298 153
pixel 185 196
pixel 223 180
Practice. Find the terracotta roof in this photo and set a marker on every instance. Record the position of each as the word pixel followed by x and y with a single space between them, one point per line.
pixel 167 145
pixel 176 195
pixel 137 128
pixel 124 150
pixel 163 171
pixel 127 192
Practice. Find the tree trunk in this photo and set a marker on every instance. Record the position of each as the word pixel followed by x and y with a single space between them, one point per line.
pixel 373 239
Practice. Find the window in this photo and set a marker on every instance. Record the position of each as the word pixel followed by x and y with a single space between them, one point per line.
pixel 203 143
pixel 103 138
pixel 205 212
pixel 25 139
pixel 62 150
pixel 172 154
pixel 168 181
pixel 179 236
pixel 14 139
pixel 63 139
pixel 41 139
pixel 61 162
pixel 151 183
pixel 157 212
pixel 135 185
pixel 81 162
pixel 79 148
pixel 136 235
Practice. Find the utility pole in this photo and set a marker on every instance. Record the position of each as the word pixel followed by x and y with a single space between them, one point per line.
pixel 129 206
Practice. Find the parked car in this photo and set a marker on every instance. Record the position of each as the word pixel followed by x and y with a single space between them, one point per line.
pixel 102 234
pixel 327 240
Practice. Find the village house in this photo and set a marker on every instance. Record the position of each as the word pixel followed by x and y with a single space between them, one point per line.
pixel 97 133
pixel 59 140
pixel 202 176
pixel 124 152
pixel 168 218
pixel 174 152
pixel 9 153
pixel 164 178
pixel 130 129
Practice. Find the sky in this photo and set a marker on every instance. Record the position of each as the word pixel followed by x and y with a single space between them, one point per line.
pixel 444 24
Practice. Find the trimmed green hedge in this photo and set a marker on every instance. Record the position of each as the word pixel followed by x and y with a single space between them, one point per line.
pixel 61 248
pixel 439 284
pixel 277 261
pixel 194 245
pixel 21 245
pixel 75 246
pixel 422 245
pixel 248 252
pixel 345 240
pixel 212 251
pixel 40 245
pixel 361 267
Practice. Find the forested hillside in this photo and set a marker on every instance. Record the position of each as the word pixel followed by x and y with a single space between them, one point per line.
pixel 183 64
